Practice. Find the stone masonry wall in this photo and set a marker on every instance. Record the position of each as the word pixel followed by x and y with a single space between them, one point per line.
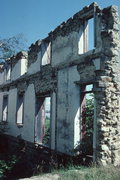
pixel 107 91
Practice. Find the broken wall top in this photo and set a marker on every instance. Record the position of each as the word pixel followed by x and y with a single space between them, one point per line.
pixel 73 24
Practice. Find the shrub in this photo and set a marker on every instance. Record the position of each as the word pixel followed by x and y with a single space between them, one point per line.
pixel 3 127
pixel 6 166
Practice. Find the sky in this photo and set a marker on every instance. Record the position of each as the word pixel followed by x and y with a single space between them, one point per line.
pixel 36 18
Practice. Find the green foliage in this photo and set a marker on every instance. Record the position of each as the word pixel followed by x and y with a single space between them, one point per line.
pixel 87 143
pixel 47 131
pixel 89 121
pixel 6 163
pixel 89 116
pixel 6 166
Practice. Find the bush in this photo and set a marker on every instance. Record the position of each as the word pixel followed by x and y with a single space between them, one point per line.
pixel 6 166
pixel 3 127
pixel 3 139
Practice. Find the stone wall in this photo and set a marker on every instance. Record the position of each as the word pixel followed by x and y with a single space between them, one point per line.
pixel 107 91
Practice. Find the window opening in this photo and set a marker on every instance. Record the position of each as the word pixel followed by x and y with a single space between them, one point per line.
pixel 87 119
pixel 43 120
pixel 86 36
pixel 8 73
pixel 91 34
pixel 5 108
pixel 45 53
pixel 20 104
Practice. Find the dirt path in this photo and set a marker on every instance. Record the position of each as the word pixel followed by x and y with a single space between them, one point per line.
pixel 44 177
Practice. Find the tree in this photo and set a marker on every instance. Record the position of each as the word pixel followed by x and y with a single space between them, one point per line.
pixel 11 46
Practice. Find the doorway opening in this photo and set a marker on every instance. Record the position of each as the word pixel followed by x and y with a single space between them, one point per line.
pixel 43 120
pixel 87 119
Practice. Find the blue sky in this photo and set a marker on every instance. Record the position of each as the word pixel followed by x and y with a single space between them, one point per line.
pixel 36 18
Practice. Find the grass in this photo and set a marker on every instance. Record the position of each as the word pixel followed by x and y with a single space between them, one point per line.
pixel 84 173
pixel 91 173
pixel 68 172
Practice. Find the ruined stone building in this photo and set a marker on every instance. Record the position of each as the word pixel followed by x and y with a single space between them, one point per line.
pixel 43 91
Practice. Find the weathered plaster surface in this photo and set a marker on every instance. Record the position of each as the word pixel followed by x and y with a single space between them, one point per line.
pixel 1 100
pixel 12 104
pixel 27 131
pixel 53 121
pixel 2 77
pixel 64 49
pixel 19 69
pixel 29 114
pixel 35 66
pixel 68 111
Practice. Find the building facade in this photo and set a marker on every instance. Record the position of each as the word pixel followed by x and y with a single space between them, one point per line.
pixel 43 91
